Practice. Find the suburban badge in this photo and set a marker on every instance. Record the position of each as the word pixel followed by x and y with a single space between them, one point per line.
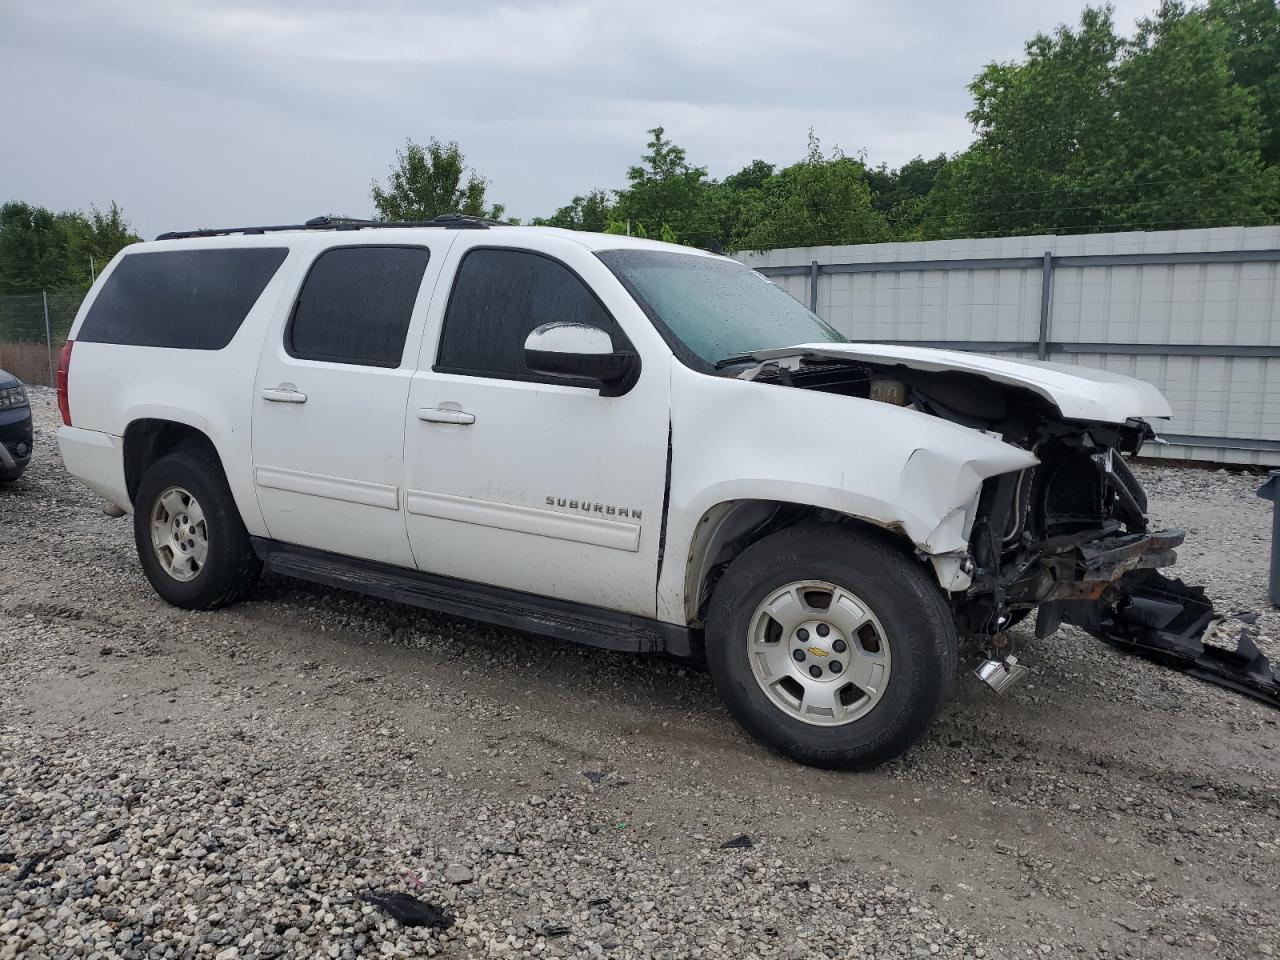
pixel 591 506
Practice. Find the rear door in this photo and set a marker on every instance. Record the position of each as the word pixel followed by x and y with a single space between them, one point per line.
pixel 521 480
pixel 329 405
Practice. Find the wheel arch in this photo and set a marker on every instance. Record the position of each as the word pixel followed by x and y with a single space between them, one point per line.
pixel 729 527
pixel 147 439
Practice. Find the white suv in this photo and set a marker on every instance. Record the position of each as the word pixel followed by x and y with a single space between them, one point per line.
pixel 620 442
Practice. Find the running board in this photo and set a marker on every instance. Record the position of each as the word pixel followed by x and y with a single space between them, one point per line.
pixel 1167 622
pixel 576 622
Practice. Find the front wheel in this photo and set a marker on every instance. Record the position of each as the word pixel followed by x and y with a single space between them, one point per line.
pixel 831 645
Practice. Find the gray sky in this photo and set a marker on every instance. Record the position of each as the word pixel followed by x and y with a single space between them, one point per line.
pixel 214 113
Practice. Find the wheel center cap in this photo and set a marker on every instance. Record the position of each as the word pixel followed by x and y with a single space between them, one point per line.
pixel 817 651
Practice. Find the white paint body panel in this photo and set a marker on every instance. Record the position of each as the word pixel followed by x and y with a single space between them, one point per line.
pixel 329 471
pixel 744 440
pixel 212 391
pixel 477 493
pixel 356 471
pixel 98 460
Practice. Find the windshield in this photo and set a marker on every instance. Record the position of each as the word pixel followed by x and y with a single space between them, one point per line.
pixel 715 308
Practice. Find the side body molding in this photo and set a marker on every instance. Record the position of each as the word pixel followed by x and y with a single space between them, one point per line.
pixel 365 492
pixel 597 531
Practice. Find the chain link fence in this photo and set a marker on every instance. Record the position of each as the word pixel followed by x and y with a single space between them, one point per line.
pixel 33 328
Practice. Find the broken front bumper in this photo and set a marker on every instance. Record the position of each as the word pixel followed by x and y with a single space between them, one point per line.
pixel 1145 613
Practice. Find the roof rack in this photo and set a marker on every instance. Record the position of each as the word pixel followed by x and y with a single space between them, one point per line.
pixel 447 221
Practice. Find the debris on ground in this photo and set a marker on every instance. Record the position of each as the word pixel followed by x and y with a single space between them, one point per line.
pixel 408 910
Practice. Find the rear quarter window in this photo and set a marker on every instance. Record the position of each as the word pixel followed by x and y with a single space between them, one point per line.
pixel 186 299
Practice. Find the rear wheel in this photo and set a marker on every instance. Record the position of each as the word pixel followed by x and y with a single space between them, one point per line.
pixel 191 541
pixel 831 645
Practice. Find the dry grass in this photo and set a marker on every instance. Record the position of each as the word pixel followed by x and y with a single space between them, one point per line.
pixel 27 361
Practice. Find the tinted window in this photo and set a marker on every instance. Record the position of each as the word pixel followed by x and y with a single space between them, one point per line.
pixel 715 308
pixel 355 305
pixel 498 297
pixel 191 299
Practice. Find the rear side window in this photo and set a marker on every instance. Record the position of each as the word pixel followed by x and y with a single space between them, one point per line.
pixel 355 305
pixel 499 296
pixel 188 299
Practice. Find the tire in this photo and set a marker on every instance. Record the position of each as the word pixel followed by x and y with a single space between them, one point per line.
pixel 8 475
pixel 227 567
pixel 905 654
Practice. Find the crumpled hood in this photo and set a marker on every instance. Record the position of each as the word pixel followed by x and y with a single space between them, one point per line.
pixel 1079 393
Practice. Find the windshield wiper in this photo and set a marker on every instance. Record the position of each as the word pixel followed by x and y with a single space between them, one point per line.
pixel 734 361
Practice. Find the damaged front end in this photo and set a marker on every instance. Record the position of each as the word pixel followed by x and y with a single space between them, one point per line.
pixel 1068 537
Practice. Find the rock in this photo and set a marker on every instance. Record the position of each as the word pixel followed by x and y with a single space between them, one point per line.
pixel 457 873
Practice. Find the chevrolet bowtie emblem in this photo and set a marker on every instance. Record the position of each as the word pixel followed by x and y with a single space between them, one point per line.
pixel 817 651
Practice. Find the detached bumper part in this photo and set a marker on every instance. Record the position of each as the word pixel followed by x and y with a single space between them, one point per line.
pixel 1000 675
pixel 1109 558
pixel 1168 622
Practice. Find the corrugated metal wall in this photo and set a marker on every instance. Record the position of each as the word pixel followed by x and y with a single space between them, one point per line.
pixel 1196 312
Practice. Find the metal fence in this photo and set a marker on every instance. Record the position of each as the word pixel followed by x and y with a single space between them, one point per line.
pixel 33 328
pixel 1196 312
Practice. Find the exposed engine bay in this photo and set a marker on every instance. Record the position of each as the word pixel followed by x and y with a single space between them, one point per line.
pixel 1069 537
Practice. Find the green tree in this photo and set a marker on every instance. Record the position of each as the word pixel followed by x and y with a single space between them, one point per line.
pixel 92 241
pixel 751 177
pixel 1185 137
pixel 666 190
pixel 913 179
pixel 591 212
pixel 820 200
pixel 1038 124
pixel 900 194
pixel 43 250
pixel 1253 33
pixel 33 249
pixel 738 201
pixel 428 181
pixel 1096 132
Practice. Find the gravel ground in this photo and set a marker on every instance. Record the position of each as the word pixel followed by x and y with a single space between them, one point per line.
pixel 229 784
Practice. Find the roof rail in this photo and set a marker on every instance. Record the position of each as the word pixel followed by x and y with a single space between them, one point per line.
pixel 447 221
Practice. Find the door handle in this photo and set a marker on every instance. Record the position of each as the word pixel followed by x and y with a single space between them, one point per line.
pixel 446 415
pixel 285 393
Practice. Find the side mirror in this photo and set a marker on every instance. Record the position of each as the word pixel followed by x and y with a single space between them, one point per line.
pixel 576 351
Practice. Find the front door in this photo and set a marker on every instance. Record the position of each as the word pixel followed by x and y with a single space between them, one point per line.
pixel 328 424
pixel 521 480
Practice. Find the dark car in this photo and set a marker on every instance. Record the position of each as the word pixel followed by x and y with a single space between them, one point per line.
pixel 15 427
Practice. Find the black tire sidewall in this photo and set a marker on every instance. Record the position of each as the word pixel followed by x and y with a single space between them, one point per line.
pixel 919 632
pixel 230 565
